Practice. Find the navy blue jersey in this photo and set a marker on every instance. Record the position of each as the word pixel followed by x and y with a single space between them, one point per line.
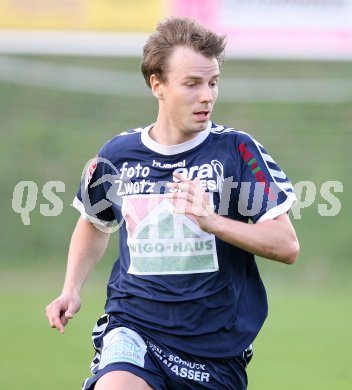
pixel 181 285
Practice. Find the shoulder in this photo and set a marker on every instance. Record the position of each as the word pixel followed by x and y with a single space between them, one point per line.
pixel 121 142
pixel 233 136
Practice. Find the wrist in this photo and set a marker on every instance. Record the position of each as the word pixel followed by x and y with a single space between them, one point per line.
pixel 71 290
pixel 214 224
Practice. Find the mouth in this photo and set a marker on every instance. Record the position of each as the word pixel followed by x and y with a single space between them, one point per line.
pixel 203 115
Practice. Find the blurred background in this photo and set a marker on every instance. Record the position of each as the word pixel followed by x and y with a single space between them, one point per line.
pixel 70 80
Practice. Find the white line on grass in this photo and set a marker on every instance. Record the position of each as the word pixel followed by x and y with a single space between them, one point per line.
pixel 71 78
pixel 122 83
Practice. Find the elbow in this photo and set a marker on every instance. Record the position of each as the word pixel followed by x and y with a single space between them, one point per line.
pixel 286 253
pixel 291 252
pixel 285 246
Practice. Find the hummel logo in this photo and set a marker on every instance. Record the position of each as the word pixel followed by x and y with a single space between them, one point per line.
pixel 179 164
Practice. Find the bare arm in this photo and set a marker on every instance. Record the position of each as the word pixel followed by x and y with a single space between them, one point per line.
pixel 87 247
pixel 273 239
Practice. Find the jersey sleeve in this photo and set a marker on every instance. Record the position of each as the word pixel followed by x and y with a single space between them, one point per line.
pixel 265 192
pixel 93 199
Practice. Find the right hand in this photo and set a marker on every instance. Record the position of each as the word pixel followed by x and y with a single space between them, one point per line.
pixel 61 310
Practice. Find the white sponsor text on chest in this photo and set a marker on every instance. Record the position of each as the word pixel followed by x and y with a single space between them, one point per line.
pixel 205 172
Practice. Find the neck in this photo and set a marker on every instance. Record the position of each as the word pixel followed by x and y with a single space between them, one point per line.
pixel 166 133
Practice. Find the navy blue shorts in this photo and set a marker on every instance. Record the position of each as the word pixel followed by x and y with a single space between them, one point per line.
pixel 121 348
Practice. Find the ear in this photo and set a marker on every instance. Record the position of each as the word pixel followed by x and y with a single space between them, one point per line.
pixel 156 86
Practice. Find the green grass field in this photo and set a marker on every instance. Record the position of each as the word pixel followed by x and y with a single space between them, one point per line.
pixel 305 343
pixel 49 134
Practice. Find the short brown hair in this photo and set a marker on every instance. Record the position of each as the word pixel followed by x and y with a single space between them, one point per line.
pixel 177 31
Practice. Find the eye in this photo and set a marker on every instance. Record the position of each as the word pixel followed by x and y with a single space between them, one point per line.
pixel 214 83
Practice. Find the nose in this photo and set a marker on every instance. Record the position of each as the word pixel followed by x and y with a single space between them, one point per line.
pixel 206 94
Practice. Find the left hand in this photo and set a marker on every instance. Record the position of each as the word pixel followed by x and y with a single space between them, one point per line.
pixel 191 199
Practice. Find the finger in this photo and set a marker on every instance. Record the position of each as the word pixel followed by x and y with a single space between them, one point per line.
pixel 195 207
pixel 57 323
pixel 63 319
pixel 61 328
pixel 184 179
pixel 180 210
pixel 181 200
pixel 185 207
pixel 69 315
pixel 196 180
pixel 185 187
pixel 72 309
pixel 190 186
pixel 179 197
pixel 51 316
pixel 47 309
pixel 180 177
pixel 55 318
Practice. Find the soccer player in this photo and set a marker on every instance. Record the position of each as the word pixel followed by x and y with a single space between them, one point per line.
pixel 194 201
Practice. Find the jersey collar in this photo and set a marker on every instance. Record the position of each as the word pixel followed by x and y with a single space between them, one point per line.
pixel 174 149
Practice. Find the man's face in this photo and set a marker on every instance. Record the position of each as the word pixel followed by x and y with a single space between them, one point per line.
pixel 189 94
